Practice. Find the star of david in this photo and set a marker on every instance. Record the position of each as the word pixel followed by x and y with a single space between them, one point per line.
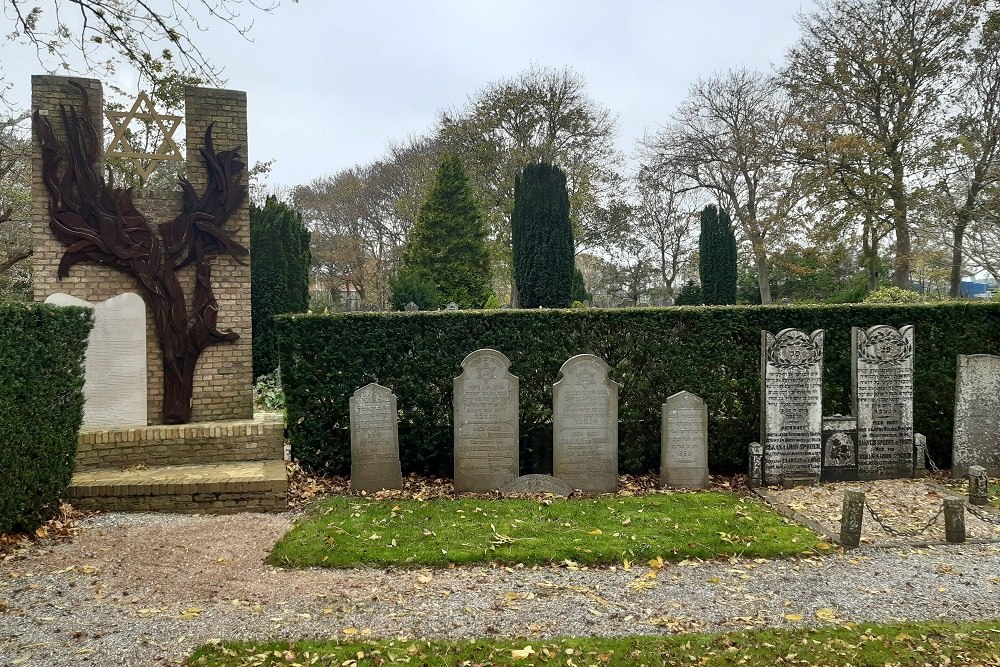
pixel 145 163
pixel 488 371
pixel 586 377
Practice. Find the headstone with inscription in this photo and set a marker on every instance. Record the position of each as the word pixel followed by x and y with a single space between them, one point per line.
pixel 840 449
pixel 486 423
pixel 791 405
pixel 374 440
pixel 684 442
pixel 977 415
pixel 585 425
pixel 114 387
pixel 411 307
pixel 451 306
pixel 882 398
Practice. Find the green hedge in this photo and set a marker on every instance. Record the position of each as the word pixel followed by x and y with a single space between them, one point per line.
pixel 41 408
pixel 713 352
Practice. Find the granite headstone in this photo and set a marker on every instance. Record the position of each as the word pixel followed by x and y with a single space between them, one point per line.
pixel 486 423
pixel 882 398
pixel 374 440
pixel 585 425
pixel 791 405
pixel 684 442
pixel 976 438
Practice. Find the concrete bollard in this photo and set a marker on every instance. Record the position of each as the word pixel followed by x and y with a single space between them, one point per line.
pixel 755 468
pixel 851 517
pixel 919 455
pixel 954 520
pixel 979 482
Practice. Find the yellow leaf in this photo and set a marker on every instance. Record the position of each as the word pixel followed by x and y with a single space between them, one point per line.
pixel 596 531
pixel 190 612
pixel 350 631
pixel 88 569
pixel 826 614
pixel 425 578
pixel 627 565
pixel 522 653
pixel 903 637
pixel 823 546
pixel 627 522
pixel 656 563
pixel 793 617
pixel 714 580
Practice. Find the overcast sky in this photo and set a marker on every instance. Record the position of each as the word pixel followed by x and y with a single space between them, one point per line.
pixel 331 84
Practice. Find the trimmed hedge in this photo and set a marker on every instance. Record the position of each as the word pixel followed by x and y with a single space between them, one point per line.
pixel 41 408
pixel 713 352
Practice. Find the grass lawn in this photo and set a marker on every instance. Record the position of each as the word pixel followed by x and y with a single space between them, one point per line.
pixel 865 644
pixel 351 532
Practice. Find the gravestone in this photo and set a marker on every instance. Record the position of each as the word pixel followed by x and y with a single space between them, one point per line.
pixel 537 484
pixel 977 415
pixel 791 419
pixel 486 423
pixel 882 398
pixel 840 449
pixel 411 307
pixel 755 466
pixel 684 442
pixel 585 425
pixel 374 440
pixel 114 387
pixel 451 306
pixel 919 455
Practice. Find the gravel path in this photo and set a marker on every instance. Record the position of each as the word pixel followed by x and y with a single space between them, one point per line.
pixel 146 589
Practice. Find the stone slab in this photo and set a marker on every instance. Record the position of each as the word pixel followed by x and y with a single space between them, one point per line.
pixel 684 442
pixel 114 387
pixel 976 435
pixel 374 440
pixel 486 423
pixel 791 404
pixel 537 484
pixel 585 425
pixel 882 400
pixel 840 449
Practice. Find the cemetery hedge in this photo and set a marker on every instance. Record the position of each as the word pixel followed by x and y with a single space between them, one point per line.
pixel 41 408
pixel 713 352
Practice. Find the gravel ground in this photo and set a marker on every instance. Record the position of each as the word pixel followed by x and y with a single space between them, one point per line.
pixel 145 589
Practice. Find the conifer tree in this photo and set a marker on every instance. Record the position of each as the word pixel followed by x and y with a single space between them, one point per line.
pixel 447 246
pixel 717 257
pixel 279 275
pixel 542 236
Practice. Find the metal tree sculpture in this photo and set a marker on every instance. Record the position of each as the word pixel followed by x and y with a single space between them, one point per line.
pixel 99 223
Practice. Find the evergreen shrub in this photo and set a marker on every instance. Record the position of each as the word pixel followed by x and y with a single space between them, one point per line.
pixel 41 408
pixel 713 352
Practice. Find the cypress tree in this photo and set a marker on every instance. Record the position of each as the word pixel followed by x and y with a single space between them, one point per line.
pixel 542 236
pixel 447 246
pixel 717 257
pixel 279 275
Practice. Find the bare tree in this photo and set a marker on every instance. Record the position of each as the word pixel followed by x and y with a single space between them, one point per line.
pixel 729 137
pixel 665 220
pixel 869 79
pixel 15 200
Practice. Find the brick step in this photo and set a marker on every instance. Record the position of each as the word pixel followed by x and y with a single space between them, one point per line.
pixel 257 439
pixel 216 488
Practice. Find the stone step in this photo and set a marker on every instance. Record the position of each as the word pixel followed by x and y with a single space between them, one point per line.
pixel 216 488
pixel 257 439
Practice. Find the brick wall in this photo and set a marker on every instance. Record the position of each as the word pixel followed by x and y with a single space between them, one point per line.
pixel 223 380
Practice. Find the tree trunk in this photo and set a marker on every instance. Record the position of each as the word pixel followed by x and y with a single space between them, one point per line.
pixel 958 239
pixel 869 253
pixel 763 280
pixel 901 265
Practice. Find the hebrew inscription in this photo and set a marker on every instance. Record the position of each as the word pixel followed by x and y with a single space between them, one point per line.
pixel 374 440
pixel 585 425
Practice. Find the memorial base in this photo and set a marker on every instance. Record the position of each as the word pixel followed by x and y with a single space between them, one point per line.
pixel 208 467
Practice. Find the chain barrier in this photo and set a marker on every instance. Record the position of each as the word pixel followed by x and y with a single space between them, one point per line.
pixel 927 455
pixel 903 533
pixel 982 514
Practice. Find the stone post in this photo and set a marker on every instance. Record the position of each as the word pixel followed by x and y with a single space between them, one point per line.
pixel 851 517
pixel 919 455
pixel 978 483
pixel 755 469
pixel 954 520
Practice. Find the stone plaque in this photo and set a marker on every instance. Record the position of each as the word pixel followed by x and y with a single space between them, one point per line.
pixel 585 425
pixel 114 385
pixel 374 440
pixel 977 415
pixel 486 423
pixel 535 484
pixel 684 442
pixel 840 448
pixel 791 404
pixel 755 466
pixel 882 397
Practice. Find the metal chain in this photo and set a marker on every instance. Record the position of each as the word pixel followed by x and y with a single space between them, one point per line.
pixel 927 455
pixel 903 533
pixel 982 514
